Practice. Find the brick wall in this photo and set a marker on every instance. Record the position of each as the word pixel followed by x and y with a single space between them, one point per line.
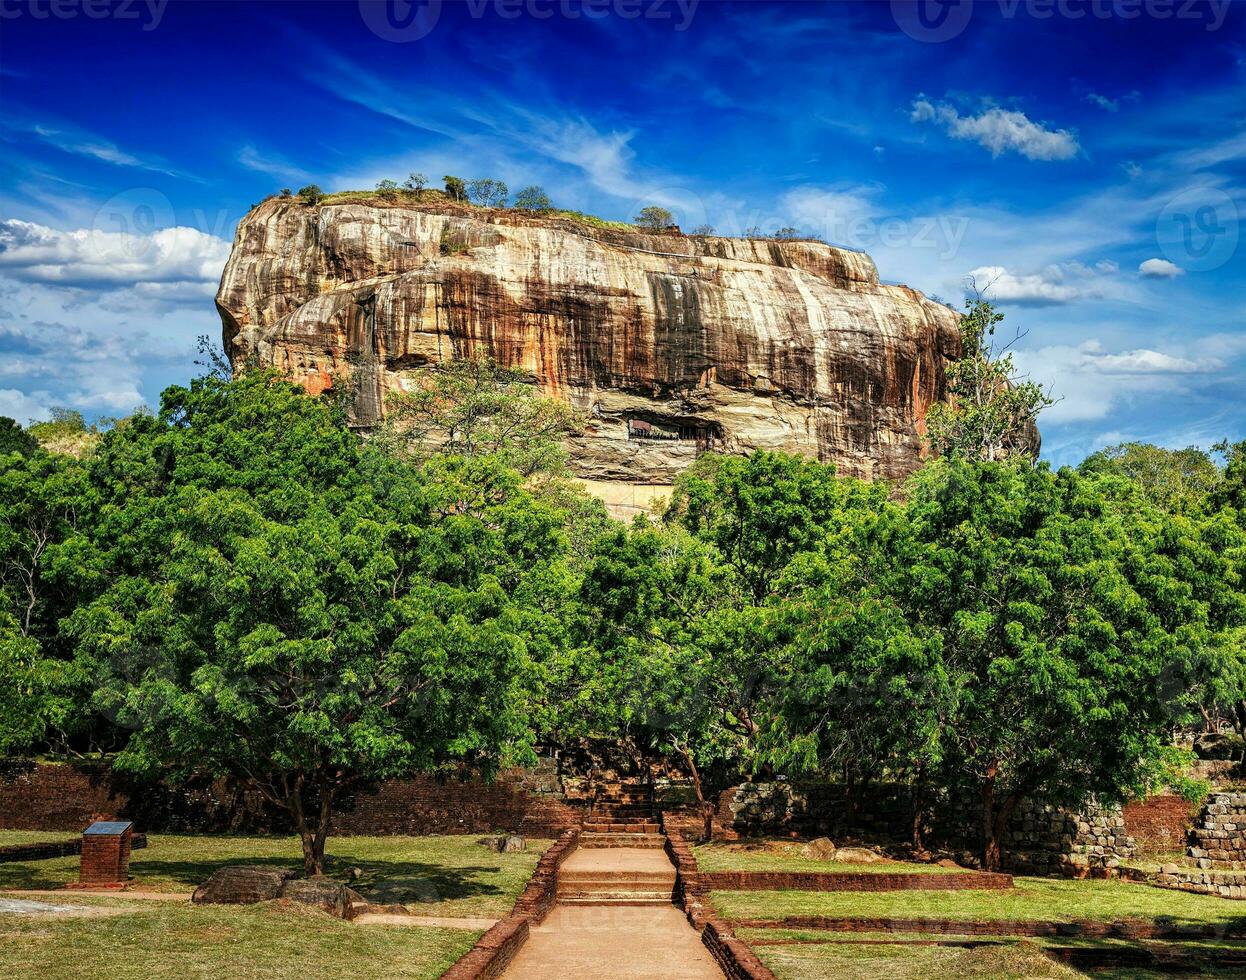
pixel 424 805
pixel 46 796
pixel 1160 823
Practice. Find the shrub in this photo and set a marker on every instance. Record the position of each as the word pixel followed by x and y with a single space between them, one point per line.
pixel 533 198
pixel 654 218
pixel 311 194
pixel 415 182
pixel 456 188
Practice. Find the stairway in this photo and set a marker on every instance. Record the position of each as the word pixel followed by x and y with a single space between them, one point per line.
pixel 622 816
pixel 618 876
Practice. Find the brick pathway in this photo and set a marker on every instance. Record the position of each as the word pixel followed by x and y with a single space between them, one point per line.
pixel 615 921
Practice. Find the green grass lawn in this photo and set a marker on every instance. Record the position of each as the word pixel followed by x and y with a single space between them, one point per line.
pixel 846 961
pixel 444 875
pixel 1033 898
pixel 172 941
pixel 870 955
pixel 787 857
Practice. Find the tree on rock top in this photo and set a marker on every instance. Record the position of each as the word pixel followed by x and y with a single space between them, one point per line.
pixel 654 218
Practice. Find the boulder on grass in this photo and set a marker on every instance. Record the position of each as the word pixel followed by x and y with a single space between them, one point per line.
pixel 856 855
pixel 325 894
pixel 506 844
pixel 241 884
pixel 819 849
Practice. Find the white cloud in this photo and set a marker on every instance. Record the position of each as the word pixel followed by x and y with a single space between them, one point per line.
pixel 1103 102
pixel 1065 282
pixel 999 130
pixel 22 407
pixel 1160 269
pixel 88 258
pixel 70 140
pixel 1091 382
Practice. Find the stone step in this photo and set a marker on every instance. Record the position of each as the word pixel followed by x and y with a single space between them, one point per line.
pixel 635 826
pixel 621 840
pixel 616 879
pixel 624 902
pixel 617 810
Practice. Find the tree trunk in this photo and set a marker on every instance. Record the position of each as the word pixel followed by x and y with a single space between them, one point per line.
pixel 990 840
pixel 313 828
pixel 706 808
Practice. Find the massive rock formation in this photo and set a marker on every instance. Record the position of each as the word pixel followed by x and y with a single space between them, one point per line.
pixel 669 344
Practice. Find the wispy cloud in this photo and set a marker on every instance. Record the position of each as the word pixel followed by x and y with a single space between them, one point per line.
pixel 999 130
pixel 81 143
pixel 270 164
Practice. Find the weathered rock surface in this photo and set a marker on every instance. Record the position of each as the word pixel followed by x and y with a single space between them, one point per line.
pixel 247 884
pixel 242 885
pixel 669 344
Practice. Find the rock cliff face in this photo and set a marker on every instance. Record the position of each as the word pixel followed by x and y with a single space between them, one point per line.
pixel 669 344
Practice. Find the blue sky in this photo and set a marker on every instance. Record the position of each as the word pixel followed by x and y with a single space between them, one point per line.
pixel 1087 160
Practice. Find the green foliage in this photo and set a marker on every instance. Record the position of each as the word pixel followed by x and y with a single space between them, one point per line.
pixel 456 188
pixel 488 193
pixel 15 439
pixel 311 195
pixel 453 241
pixel 387 189
pixel 1068 621
pixel 787 233
pixel 1176 480
pixel 533 198
pixel 416 182
pixel 477 408
pixel 654 218
pixel 278 602
pixel 991 409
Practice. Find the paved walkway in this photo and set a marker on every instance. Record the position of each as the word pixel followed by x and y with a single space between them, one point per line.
pixel 602 942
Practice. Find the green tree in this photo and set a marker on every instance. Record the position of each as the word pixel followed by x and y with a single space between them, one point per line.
pixel 15 439
pixel 1066 628
pixel 456 188
pixel 991 409
pixel 533 198
pixel 387 189
pixel 703 230
pixel 416 182
pixel 476 407
pixel 1176 480
pixel 787 233
pixel 311 195
pixel 488 193
pixel 289 607
pixel 654 218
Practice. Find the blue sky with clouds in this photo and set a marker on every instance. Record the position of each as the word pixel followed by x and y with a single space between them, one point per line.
pixel 1085 158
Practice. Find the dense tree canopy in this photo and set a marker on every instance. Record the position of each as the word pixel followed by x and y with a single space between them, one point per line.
pixel 241 585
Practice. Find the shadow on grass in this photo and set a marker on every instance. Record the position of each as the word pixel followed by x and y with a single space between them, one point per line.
pixel 387 882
